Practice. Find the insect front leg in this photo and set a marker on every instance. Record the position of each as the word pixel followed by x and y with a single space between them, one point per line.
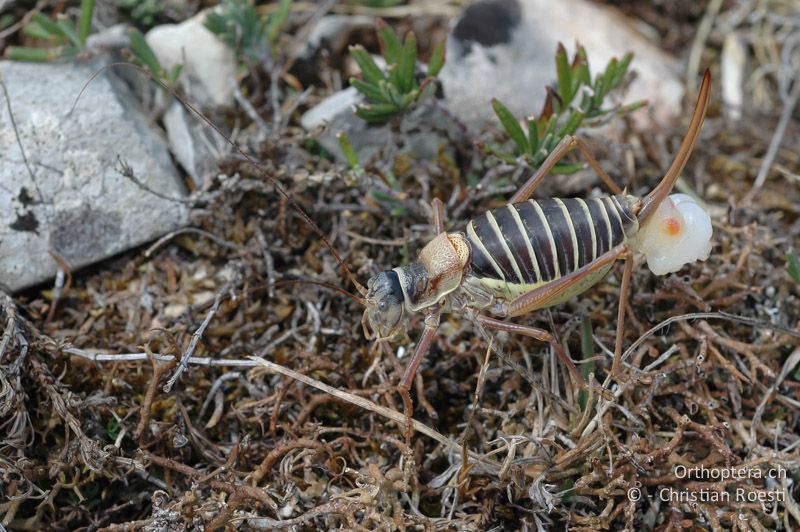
pixel 423 346
pixel 431 320
pixel 567 144
pixel 440 264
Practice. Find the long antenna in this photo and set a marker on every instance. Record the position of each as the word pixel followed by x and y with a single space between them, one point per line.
pixel 263 172
pixel 323 284
pixel 657 195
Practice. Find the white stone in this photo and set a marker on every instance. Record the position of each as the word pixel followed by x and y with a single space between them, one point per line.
pixel 329 108
pixel 76 203
pixel 209 65
pixel 505 49
pixel 733 64
pixel 193 143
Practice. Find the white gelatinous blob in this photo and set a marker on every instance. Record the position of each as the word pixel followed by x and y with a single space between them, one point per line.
pixel 679 232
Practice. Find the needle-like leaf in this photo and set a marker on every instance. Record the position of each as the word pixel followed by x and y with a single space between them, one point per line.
pixel 391 47
pixel 511 125
pixel 437 60
pixel 793 267
pixel 143 53
pixel 564 73
pixel 407 64
pixel 369 69
pixel 85 20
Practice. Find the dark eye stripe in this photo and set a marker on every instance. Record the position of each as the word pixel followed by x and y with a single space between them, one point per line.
pixel 394 279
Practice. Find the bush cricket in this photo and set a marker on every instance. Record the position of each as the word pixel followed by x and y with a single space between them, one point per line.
pixel 533 254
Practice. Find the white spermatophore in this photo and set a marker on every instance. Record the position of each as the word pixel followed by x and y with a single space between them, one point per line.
pixel 679 232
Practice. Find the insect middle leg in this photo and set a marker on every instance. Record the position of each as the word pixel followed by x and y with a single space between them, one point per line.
pixel 566 145
pixel 539 334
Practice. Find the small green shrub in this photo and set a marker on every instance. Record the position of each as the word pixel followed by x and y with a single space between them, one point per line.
pixel 392 92
pixel 144 12
pixel 576 101
pixel 66 37
pixel 253 36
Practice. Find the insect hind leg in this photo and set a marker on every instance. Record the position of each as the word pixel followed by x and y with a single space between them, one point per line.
pixel 567 144
pixel 544 296
pixel 624 290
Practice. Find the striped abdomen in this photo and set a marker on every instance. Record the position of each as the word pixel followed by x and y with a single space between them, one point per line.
pixel 518 247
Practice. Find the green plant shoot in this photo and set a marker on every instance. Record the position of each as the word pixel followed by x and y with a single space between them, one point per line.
pixel 356 170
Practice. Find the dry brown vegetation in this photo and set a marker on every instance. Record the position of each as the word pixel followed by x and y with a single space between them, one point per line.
pixel 92 439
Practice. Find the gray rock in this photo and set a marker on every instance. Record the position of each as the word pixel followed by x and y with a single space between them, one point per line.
pixel 76 203
pixel 419 133
pixel 111 39
pixel 505 49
